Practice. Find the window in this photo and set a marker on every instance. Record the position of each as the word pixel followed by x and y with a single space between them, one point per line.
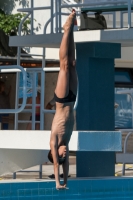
pixel 121 76
pixel 123 113
pixel 123 97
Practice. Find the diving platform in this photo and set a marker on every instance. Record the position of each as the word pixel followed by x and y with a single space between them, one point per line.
pixel 123 36
pixel 23 149
pixel 101 9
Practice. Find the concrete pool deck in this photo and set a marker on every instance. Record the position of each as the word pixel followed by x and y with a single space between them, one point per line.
pixel 48 170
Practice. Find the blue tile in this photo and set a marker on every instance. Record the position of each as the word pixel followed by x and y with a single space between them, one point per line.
pixel 16 186
pixel 4 186
pixel 27 198
pixel 19 198
pixel 34 198
pixel 41 185
pixel 42 198
pixel 30 185
pixel 14 198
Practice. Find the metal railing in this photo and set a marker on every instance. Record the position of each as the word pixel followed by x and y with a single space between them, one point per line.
pixel 125 151
pixel 125 157
pixel 57 14
pixel 59 6
pixel 16 68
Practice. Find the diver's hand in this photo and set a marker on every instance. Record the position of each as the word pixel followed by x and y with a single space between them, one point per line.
pixel 61 187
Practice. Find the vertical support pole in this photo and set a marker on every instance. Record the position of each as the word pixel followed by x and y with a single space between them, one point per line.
pixel 17 97
pixel 59 16
pixel 42 102
pixel 56 12
pixel 18 55
pixel 40 172
pixel 14 175
pixel 114 20
pixel 52 7
pixel 33 100
pixel 17 90
pixel 32 17
pixel 42 92
pixel 121 18
pixel 129 13
pixel 16 101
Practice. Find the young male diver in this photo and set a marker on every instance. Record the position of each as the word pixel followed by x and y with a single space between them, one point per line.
pixel 65 96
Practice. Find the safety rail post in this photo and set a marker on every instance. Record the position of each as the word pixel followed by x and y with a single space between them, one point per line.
pixel 52 7
pixel 129 13
pixel 114 20
pixel 42 99
pixel 43 86
pixel 59 16
pixel 121 18
pixel 56 14
pixel 17 87
pixel 16 102
pixel 32 17
pixel 33 100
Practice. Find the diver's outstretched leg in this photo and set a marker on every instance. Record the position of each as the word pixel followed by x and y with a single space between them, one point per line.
pixel 73 81
pixel 62 87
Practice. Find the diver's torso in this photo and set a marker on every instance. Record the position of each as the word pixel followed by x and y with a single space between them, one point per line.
pixel 63 122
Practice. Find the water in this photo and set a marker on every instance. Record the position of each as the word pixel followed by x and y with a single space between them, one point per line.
pixel 92 189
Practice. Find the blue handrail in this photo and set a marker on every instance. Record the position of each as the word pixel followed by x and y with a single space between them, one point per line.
pixel 24 88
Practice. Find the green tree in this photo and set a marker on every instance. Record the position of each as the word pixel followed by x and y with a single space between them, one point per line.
pixel 10 22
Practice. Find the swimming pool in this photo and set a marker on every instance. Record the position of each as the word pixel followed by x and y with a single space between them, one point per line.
pixel 92 189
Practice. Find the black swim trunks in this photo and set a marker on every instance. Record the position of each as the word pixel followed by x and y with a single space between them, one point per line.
pixel 69 98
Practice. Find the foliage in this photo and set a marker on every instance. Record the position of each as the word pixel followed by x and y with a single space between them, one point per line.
pixel 10 22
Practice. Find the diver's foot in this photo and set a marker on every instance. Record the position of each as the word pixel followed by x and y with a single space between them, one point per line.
pixel 70 21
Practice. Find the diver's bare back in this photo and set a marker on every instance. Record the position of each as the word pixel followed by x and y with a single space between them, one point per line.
pixel 63 122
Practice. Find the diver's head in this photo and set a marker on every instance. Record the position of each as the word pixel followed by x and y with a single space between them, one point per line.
pixel 61 154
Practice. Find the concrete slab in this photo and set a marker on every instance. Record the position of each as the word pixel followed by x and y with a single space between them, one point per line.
pixel 123 36
pixel 80 140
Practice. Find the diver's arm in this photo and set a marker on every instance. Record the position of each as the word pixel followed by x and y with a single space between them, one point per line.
pixel 65 167
pixel 54 151
pixel 53 146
